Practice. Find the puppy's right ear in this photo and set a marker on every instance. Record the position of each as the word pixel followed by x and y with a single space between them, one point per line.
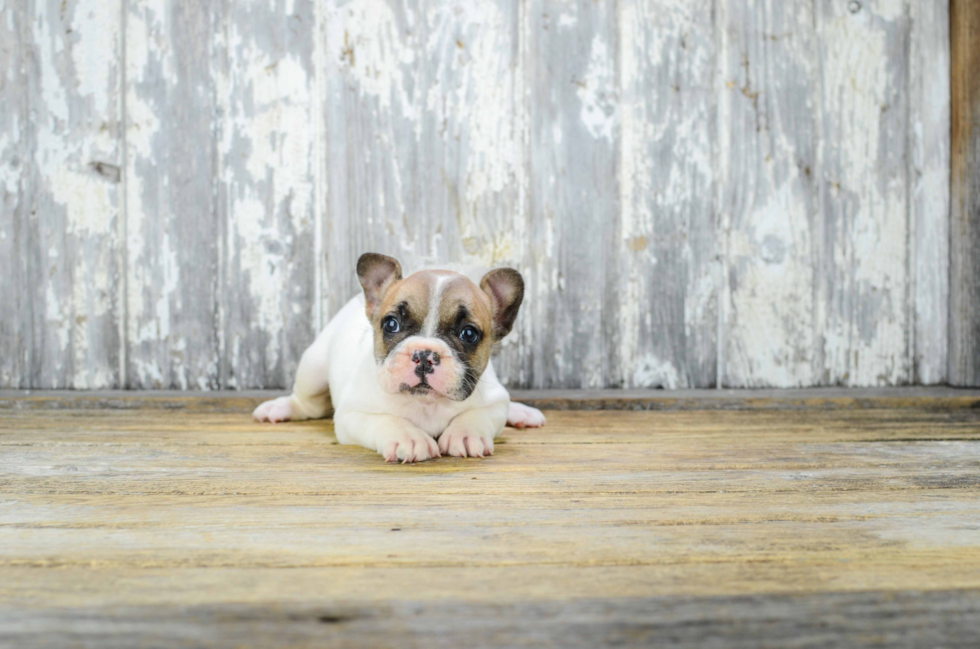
pixel 376 273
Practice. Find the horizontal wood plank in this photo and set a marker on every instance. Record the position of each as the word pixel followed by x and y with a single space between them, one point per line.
pixel 863 619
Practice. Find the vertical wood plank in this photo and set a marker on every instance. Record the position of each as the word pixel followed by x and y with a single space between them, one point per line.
pixel 371 114
pixel 172 225
pixel 929 132
pixel 573 197
pixel 964 287
pixel 73 177
pixel 16 141
pixel 768 198
pixel 864 262
pixel 668 287
pixel 265 102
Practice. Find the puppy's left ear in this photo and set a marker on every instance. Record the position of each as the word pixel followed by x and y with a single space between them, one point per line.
pixel 376 273
pixel 505 286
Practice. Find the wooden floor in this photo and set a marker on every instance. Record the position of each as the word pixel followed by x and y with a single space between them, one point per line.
pixel 192 526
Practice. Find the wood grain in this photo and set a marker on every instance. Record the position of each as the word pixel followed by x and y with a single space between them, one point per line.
pixel 741 525
pixel 573 207
pixel 863 274
pixel 769 205
pixel 172 212
pixel 668 282
pixel 929 190
pixel 964 296
pixel 63 150
pixel 16 143
pixel 862 619
pixel 369 68
pixel 267 171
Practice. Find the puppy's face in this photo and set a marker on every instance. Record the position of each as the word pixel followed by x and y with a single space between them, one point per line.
pixel 433 330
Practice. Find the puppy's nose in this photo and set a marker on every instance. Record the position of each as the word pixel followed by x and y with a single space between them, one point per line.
pixel 425 361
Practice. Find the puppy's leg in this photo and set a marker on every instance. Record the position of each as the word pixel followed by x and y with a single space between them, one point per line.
pixel 521 416
pixel 393 437
pixel 472 432
pixel 311 391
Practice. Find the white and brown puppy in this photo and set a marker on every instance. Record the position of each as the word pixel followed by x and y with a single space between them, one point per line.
pixel 405 367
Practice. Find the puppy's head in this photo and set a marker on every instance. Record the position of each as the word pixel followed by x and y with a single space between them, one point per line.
pixel 433 330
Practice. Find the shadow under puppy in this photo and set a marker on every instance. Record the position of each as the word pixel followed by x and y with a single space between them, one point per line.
pixel 405 367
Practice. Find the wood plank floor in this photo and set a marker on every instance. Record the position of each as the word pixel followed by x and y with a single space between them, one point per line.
pixel 170 526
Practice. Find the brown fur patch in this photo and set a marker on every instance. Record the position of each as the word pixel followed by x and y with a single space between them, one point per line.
pixel 408 301
pixel 462 304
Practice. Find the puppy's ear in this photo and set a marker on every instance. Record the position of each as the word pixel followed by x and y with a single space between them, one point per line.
pixel 505 286
pixel 376 273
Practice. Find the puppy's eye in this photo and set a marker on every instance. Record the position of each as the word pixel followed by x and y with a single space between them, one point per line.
pixel 390 325
pixel 469 335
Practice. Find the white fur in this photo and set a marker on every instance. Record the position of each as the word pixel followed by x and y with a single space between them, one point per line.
pixel 340 368
pixel 432 317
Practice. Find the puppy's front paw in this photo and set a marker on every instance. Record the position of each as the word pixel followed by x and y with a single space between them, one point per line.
pixel 459 442
pixel 521 416
pixel 409 446
pixel 274 411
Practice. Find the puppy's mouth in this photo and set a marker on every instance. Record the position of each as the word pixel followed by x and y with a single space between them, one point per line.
pixel 419 388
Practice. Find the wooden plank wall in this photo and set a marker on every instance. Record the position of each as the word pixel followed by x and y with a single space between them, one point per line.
pixel 709 193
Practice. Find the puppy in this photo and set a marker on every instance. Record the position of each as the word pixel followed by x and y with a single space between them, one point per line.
pixel 405 367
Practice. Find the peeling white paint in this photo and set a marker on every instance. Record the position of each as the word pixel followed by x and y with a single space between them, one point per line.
pixel 666 171
pixel 94 53
pixel 74 116
pixel 473 96
pixel 866 340
pixel 267 151
pixel 90 203
pixel 375 47
pixel 773 300
pixel 597 92
pixel 888 10
pixel 148 298
pixel 12 171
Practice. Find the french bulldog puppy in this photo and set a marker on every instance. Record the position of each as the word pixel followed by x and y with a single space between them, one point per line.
pixel 405 367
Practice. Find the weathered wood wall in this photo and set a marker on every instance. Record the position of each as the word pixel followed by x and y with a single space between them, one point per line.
pixel 699 193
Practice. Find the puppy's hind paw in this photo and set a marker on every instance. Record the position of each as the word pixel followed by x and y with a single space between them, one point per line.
pixel 521 416
pixel 274 411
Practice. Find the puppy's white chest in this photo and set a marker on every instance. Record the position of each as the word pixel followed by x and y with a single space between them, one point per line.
pixel 433 417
